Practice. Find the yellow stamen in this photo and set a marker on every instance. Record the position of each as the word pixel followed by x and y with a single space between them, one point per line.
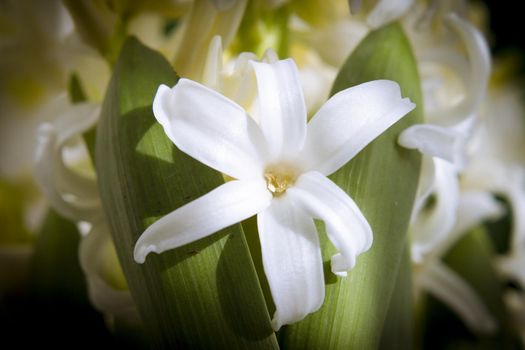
pixel 278 181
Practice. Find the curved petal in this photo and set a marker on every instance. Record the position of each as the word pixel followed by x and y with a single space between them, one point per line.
pixel 346 226
pixel 211 128
pixel 475 78
pixel 224 206
pixel 349 121
pixel 95 248
pixel 435 141
pixel 433 225
pixel 74 196
pixel 282 110
pixel 479 58
pixel 292 261
pixel 386 11
pixel 473 209
pixel 440 281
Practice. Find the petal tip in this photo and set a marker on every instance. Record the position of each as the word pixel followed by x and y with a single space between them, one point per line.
pixel 340 265
pixel 276 323
pixel 410 105
pixel 340 273
pixel 142 251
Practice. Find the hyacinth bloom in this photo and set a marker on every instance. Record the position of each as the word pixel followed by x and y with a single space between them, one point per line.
pixel 280 165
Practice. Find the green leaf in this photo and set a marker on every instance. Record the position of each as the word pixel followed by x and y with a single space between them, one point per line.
pixel 382 179
pixel 56 269
pixel 202 295
pixel 13 200
pixel 398 328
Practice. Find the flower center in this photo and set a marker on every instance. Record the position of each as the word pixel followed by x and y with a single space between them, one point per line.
pixel 279 179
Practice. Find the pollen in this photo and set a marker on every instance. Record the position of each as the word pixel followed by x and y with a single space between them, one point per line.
pixel 278 180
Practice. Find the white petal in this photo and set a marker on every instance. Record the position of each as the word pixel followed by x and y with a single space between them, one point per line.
pixel 224 206
pixel 213 66
pixel 433 225
pixel 435 141
pixel 94 249
pixel 282 110
pixel 346 226
pixel 349 121
pixel 270 56
pixel 72 195
pixel 440 281
pixel 239 83
pixel 386 11
pixel 211 128
pixel 292 261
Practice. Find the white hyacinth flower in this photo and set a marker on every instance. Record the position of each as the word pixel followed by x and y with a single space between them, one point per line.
pixel 71 194
pixel 450 120
pixel 443 140
pixel 76 197
pixel 280 166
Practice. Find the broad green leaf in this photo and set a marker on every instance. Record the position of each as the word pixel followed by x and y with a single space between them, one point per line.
pixel 399 323
pixel 202 295
pixel 56 267
pixel 382 179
